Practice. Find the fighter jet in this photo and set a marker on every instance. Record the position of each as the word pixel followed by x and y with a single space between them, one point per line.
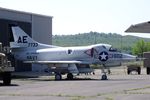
pixel 26 49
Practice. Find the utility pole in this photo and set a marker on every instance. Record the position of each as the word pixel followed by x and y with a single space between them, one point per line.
pixel 95 38
pixel 121 42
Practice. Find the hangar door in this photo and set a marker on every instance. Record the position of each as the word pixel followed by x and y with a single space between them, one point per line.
pixel 6 36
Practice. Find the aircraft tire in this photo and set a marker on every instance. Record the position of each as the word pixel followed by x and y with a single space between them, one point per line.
pixel 104 77
pixel 6 76
pixel 128 71
pixel 69 76
pixel 148 70
pixel 58 77
pixel 139 70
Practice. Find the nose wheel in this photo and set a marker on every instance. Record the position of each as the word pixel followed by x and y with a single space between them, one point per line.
pixel 104 77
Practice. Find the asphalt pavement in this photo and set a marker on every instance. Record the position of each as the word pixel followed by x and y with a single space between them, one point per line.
pixel 119 86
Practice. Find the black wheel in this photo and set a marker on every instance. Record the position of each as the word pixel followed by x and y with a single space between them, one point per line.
pixel 128 71
pixel 58 77
pixel 148 70
pixel 104 77
pixel 6 76
pixel 69 76
pixel 93 73
pixel 139 70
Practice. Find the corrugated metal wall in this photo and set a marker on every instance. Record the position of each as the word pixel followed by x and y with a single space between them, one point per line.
pixel 6 36
pixel 147 59
pixel 35 25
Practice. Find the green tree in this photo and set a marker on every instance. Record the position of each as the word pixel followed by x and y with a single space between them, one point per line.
pixel 123 43
pixel 140 47
pixel 148 46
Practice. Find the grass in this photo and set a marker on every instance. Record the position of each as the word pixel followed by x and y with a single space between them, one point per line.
pixel 78 98
pixel 109 98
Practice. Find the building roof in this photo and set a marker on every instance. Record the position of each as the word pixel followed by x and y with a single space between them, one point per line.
pixel 24 12
pixel 140 28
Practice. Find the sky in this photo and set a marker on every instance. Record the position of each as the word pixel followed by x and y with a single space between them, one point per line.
pixel 79 16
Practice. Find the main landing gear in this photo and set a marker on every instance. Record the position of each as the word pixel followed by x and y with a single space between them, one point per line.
pixel 58 76
pixel 70 76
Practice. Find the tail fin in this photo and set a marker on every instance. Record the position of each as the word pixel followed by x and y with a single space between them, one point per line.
pixel 23 40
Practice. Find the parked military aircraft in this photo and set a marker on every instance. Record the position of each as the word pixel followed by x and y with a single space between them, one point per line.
pixel 30 51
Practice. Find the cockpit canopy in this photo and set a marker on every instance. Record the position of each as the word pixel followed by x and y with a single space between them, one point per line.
pixel 113 49
pixel 106 46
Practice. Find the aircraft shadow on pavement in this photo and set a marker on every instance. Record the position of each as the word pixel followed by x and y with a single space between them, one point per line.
pixel 75 79
pixel 11 85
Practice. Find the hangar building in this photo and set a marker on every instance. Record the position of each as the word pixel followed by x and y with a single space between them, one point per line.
pixel 39 27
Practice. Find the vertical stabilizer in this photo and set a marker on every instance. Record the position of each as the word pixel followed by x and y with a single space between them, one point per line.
pixel 23 40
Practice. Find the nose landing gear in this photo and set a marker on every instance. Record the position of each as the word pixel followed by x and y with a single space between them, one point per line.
pixel 104 74
pixel 104 77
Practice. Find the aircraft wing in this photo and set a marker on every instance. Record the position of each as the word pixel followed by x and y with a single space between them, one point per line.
pixel 140 28
pixel 59 62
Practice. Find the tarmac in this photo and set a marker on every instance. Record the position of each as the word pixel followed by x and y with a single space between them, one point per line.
pixel 119 86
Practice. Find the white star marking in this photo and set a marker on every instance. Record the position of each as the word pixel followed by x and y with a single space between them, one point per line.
pixel 103 56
